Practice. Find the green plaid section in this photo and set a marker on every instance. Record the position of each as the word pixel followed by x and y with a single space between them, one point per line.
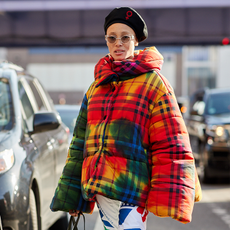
pixel 68 194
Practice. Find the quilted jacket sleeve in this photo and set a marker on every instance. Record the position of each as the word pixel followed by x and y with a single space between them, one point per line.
pixel 174 182
pixel 68 194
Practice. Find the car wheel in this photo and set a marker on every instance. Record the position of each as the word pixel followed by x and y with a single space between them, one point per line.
pixel 61 224
pixel 33 212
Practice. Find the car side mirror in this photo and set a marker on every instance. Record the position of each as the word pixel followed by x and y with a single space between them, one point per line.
pixel 45 121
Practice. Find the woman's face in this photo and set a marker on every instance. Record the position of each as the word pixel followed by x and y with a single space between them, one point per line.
pixel 119 50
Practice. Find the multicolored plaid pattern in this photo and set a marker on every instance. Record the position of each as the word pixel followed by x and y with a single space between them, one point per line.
pixel 130 142
pixel 144 61
pixel 68 192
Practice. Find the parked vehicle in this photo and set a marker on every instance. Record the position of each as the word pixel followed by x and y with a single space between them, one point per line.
pixel 69 115
pixel 208 125
pixel 33 149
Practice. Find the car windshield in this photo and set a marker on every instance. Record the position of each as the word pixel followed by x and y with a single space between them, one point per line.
pixel 69 118
pixel 218 104
pixel 6 106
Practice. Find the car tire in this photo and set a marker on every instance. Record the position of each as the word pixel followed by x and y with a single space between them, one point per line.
pixel 33 212
pixel 61 224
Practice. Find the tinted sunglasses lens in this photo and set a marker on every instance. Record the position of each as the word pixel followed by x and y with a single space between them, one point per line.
pixel 125 39
pixel 111 39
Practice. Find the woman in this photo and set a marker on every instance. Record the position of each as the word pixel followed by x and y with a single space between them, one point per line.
pixel 130 152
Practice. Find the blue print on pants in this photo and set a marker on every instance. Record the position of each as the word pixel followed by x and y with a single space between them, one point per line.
pixel 123 214
pixel 105 222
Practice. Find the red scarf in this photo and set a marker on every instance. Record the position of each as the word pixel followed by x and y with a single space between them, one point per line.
pixel 143 61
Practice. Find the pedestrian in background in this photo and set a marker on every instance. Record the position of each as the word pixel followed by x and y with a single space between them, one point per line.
pixel 130 152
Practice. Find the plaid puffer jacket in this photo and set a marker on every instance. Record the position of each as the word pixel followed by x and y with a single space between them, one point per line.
pixel 130 143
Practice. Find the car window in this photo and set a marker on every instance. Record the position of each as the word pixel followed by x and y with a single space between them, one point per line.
pixel 218 104
pixel 37 95
pixel 6 106
pixel 197 104
pixel 199 107
pixel 26 105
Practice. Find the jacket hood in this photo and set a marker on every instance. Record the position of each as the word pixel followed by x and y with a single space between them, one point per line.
pixel 144 61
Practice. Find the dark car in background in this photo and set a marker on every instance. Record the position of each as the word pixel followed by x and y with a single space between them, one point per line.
pixel 68 115
pixel 208 125
pixel 33 149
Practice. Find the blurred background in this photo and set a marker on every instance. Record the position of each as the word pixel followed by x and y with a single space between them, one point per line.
pixel 60 42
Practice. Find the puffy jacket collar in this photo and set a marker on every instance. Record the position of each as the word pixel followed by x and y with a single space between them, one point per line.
pixel 108 70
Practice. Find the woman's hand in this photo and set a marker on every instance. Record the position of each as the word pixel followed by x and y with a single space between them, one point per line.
pixel 74 213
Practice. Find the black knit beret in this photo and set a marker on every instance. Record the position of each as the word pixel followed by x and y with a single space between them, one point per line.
pixel 131 18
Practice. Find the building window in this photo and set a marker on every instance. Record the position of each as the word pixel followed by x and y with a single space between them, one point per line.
pixel 199 78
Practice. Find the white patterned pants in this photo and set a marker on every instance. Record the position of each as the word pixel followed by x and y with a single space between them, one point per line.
pixel 117 215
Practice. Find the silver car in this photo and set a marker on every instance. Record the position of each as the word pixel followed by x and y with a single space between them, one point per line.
pixel 33 149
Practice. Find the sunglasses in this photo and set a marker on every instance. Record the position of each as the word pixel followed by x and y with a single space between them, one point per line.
pixel 124 39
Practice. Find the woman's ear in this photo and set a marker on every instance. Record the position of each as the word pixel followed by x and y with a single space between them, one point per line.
pixel 136 42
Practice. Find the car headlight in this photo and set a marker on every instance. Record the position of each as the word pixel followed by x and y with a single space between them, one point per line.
pixel 219 131
pixel 6 160
pixel 215 130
